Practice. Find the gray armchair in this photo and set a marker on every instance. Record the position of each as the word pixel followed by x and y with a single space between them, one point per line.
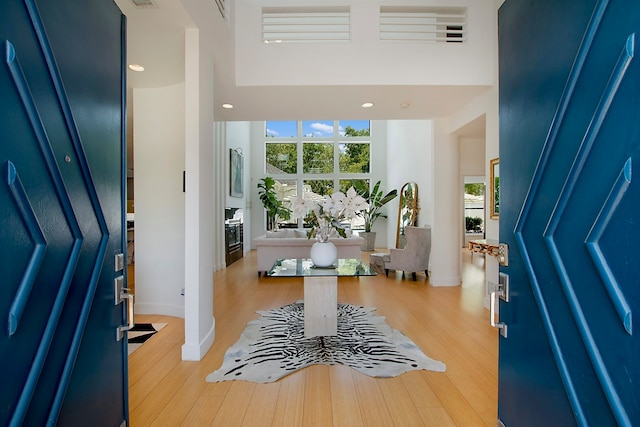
pixel 414 256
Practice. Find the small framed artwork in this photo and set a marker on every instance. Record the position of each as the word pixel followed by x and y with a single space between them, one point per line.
pixel 494 188
pixel 236 181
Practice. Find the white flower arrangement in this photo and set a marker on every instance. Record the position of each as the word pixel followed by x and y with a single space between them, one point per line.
pixel 329 212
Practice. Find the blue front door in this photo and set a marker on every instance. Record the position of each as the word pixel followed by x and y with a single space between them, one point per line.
pixel 61 210
pixel 569 210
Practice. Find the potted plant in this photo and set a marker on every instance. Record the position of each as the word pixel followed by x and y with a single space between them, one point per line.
pixel 376 199
pixel 326 215
pixel 275 207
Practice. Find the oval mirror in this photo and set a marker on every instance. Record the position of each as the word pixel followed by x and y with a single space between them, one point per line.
pixel 408 209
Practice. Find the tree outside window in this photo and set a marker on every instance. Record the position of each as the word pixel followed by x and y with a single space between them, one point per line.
pixel 317 157
pixel 474 207
pixel 281 158
pixel 319 187
pixel 355 157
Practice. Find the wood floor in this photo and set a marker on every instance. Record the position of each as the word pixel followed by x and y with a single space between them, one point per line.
pixel 448 324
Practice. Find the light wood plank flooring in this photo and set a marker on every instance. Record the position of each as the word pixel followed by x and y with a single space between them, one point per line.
pixel 449 324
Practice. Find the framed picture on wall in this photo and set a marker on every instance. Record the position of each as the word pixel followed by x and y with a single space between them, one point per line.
pixel 237 172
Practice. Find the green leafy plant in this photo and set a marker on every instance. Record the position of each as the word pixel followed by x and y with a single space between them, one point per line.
pixel 473 224
pixel 376 200
pixel 274 206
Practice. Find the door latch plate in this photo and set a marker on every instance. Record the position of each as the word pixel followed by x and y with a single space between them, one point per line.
pixel 119 262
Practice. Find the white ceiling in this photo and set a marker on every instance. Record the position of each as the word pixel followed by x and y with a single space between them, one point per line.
pixel 331 102
pixel 155 39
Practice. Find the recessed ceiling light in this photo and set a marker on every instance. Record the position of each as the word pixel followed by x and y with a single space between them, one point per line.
pixel 367 105
pixel 227 106
pixel 404 105
pixel 136 67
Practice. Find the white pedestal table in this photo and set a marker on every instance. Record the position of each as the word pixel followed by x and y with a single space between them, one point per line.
pixel 320 290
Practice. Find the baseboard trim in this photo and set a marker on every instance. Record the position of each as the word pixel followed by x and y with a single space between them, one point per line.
pixel 162 309
pixel 445 281
pixel 195 352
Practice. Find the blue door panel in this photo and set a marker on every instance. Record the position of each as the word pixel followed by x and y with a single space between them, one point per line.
pixel 61 207
pixel 570 213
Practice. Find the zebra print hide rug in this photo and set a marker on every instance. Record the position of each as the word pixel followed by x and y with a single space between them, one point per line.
pixel 274 346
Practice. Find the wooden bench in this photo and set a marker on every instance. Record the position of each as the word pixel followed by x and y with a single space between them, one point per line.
pixel 484 246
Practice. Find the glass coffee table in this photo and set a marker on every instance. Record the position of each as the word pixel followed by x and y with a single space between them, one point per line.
pixel 320 290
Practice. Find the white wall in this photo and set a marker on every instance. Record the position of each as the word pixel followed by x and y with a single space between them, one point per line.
pixel 472 155
pixel 378 62
pixel 220 171
pixel 487 105
pixel 257 171
pixel 159 126
pixel 409 156
pixel 379 171
pixel 445 260
pixel 238 137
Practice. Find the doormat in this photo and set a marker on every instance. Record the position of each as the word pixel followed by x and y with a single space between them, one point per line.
pixel 140 333
pixel 274 346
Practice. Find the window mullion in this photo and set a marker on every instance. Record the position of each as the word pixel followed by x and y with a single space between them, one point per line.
pixel 336 155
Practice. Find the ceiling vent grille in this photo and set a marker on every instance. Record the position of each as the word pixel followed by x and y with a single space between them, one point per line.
pixel 144 4
pixel 221 7
pixel 306 24
pixel 423 24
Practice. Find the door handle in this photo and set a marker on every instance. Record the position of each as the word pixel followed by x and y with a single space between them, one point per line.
pixel 123 295
pixel 498 290
pixel 128 298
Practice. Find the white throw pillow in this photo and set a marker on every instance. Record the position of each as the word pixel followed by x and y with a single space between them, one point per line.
pixel 281 234
pixel 300 233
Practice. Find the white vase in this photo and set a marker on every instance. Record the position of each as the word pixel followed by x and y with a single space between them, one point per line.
pixel 324 254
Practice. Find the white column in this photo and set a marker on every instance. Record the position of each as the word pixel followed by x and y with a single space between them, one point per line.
pixel 320 306
pixel 409 158
pixel 445 260
pixel 220 190
pixel 199 323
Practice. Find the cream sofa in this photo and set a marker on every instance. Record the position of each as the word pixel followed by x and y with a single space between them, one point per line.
pixel 293 243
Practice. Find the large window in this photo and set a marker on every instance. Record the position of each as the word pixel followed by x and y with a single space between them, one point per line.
pixel 315 158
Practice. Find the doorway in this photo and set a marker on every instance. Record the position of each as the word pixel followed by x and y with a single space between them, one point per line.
pixel 474 217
